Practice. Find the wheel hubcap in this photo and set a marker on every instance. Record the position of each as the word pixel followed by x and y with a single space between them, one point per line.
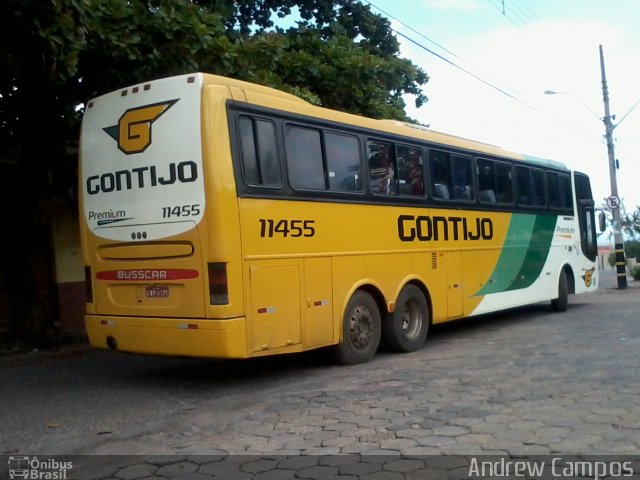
pixel 411 319
pixel 361 327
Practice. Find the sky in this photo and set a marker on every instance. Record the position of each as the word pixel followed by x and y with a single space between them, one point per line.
pixel 536 45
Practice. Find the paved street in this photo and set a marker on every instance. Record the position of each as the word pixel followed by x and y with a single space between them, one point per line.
pixel 525 382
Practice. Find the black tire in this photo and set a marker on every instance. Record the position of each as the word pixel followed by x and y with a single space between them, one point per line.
pixel 560 304
pixel 361 330
pixel 406 330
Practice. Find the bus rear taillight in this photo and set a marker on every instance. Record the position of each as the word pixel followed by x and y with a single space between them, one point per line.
pixel 88 285
pixel 218 288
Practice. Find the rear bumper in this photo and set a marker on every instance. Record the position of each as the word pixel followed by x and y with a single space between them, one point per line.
pixel 169 336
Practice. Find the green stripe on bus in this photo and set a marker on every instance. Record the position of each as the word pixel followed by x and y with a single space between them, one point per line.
pixel 537 252
pixel 524 253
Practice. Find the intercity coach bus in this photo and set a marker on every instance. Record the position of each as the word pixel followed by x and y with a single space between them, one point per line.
pixel 231 220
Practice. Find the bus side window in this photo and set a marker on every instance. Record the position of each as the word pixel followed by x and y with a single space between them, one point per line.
pixel 553 190
pixel 495 184
pixel 259 151
pixel 566 197
pixel 304 158
pixel 523 186
pixel 486 181
pixel 462 178
pixel 410 170
pixel 343 162
pixel 382 172
pixel 504 183
pixel 537 185
pixel 440 174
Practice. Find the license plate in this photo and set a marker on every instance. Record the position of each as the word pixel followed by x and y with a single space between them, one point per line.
pixel 157 291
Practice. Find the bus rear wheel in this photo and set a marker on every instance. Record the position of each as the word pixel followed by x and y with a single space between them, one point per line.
pixel 560 304
pixel 406 330
pixel 361 330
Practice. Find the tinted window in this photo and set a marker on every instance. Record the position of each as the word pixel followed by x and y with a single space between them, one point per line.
pixel 553 190
pixel 343 162
pixel 583 187
pixel 382 176
pixel 440 172
pixel 462 175
pixel 304 158
pixel 504 183
pixel 523 186
pixel 494 182
pixel 410 170
pixel 559 190
pixel 258 145
pixel 451 176
pixel 566 199
pixel 537 187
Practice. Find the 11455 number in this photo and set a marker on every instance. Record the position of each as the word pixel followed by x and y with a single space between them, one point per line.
pixel 286 228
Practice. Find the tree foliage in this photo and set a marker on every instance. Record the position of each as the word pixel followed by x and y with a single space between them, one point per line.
pixel 56 54
pixel 631 223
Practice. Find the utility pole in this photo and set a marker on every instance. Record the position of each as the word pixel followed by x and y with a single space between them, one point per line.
pixel 617 224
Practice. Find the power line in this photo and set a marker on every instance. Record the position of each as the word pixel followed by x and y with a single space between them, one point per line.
pixel 526 13
pixel 447 60
pixel 469 72
pixel 413 30
pixel 528 10
pixel 501 7
pixel 462 69
pixel 515 12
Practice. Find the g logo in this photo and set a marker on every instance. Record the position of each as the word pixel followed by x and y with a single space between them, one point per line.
pixel 133 131
pixel 588 277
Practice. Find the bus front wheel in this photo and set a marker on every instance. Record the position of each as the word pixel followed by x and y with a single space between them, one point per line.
pixel 361 330
pixel 406 330
pixel 560 304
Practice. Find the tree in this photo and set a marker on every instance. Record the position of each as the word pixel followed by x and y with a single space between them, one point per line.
pixel 631 223
pixel 339 55
pixel 56 54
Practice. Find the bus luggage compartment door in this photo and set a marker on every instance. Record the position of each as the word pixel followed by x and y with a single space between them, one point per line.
pixel 274 318
pixel 454 284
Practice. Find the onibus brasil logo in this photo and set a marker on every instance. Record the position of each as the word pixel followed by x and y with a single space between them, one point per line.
pixel 36 469
pixel 133 131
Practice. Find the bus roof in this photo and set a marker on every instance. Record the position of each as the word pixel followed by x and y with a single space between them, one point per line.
pixel 265 94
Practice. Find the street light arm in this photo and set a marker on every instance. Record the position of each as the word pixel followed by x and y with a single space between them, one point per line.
pixel 554 92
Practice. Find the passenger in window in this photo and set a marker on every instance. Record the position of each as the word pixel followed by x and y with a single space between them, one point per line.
pixel 414 173
pixel 463 192
pixel 380 171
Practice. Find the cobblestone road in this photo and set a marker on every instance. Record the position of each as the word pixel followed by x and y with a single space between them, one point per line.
pixel 525 382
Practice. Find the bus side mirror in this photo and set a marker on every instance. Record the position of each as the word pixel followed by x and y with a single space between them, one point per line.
pixel 602 221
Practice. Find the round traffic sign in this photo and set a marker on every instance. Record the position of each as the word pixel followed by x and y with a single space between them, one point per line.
pixel 613 202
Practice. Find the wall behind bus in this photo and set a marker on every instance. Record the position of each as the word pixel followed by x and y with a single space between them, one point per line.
pixel 69 271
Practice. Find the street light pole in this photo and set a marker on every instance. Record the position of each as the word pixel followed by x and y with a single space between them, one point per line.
pixel 617 224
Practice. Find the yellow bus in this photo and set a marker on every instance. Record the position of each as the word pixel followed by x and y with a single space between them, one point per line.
pixel 230 220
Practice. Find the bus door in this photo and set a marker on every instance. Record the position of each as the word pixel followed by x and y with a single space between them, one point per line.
pixel 274 318
pixel 586 216
pixel 454 284
pixel 318 322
